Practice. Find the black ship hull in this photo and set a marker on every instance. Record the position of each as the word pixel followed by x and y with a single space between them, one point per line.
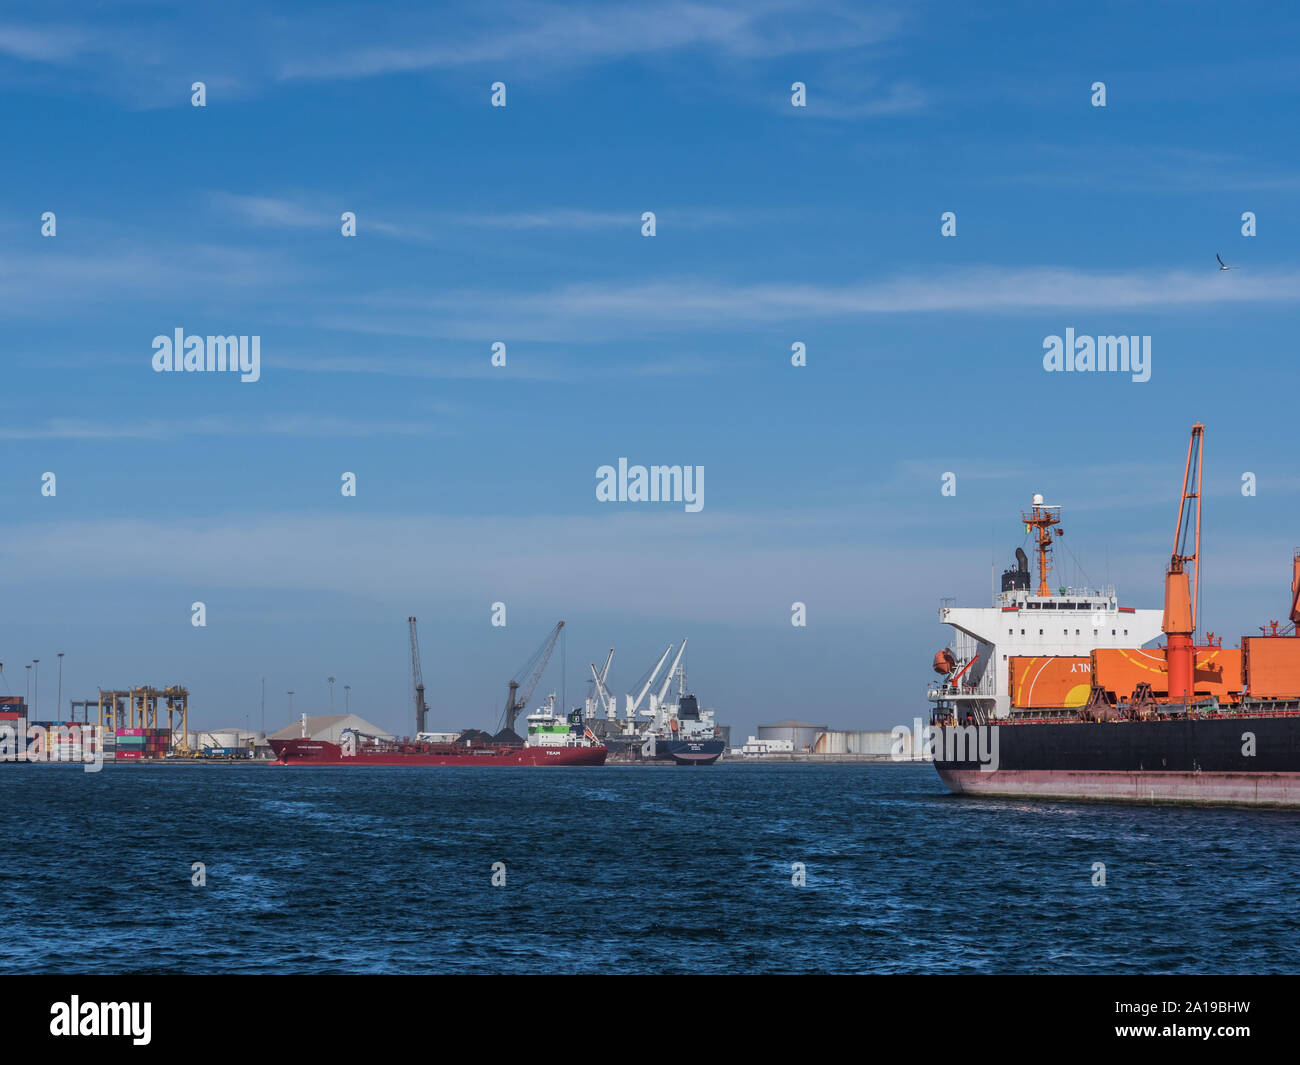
pixel 1240 759
pixel 690 752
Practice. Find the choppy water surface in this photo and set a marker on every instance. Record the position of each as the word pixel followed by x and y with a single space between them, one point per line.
pixel 623 870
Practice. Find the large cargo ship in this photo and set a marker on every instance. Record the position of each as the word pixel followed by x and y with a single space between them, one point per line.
pixel 1093 714
pixel 672 728
pixel 551 740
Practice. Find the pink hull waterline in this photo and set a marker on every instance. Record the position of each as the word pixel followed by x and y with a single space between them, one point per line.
pixel 1245 789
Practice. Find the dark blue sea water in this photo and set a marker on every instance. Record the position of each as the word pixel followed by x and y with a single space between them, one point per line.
pixel 623 869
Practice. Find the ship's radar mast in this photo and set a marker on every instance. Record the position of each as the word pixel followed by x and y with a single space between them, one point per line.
pixel 1040 521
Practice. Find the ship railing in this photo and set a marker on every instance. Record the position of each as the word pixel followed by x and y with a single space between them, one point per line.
pixel 1073 717
pixel 983 689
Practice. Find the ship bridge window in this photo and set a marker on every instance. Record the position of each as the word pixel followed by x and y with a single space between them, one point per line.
pixel 1065 632
pixel 1022 632
pixel 1112 632
pixel 1126 632
pixel 1040 632
pixel 1076 632
pixel 1010 633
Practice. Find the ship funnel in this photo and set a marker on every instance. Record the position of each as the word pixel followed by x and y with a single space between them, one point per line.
pixel 1022 560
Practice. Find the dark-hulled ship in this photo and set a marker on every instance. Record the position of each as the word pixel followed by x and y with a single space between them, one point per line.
pixel 1093 714
pixel 672 728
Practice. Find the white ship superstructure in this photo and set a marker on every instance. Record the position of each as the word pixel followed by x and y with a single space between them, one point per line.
pixel 1025 622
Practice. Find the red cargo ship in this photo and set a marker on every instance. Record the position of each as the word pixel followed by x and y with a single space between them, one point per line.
pixel 320 752
pixel 552 740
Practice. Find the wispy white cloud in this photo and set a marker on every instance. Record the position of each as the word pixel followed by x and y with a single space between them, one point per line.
pixel 303 425
pixel 62 278
pixel 45 44
pixel 242 49
pixel 589 310
pixel 554 35
pixel 455 366
pixel 899 99
pixel 1148 168
pixel 272 211
pixel 312 210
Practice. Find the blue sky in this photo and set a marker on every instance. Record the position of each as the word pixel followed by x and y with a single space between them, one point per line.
pixel 522 224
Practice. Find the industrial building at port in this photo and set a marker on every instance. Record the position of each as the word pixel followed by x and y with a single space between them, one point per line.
pixel 803 741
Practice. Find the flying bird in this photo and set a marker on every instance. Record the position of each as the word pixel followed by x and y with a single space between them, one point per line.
pixel 1222 264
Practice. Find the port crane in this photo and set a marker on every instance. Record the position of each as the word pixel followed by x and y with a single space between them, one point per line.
pixel 1182 595
pixel 630 705
pixel 602 692
pixel 417 681
pixel 657 699
pixel 521 690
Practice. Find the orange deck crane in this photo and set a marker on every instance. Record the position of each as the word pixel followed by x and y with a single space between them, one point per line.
pixel 1182 597
pixel 1295 591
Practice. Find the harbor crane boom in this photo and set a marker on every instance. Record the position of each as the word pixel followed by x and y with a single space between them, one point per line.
pixel 1181 597
pixel 668 680
pixel 632 705
pixel 417 681
pixel 602 692
pixel 516 699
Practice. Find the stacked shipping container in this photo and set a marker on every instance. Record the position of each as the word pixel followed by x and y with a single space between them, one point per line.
pixel 13 729
pixel 64 741
pixel 136 743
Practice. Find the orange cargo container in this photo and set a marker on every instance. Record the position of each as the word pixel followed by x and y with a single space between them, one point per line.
pixel 1041 682
pixel 1272 666
pixel 1120 670
pixel 1218 672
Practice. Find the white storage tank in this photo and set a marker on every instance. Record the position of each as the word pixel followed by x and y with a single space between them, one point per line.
pixel 800 733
